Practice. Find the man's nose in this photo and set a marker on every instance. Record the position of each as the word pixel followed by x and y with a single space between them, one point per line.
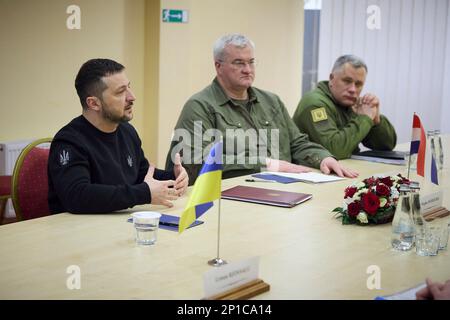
pixel 352 88
pixel 130 95
pixel 247 68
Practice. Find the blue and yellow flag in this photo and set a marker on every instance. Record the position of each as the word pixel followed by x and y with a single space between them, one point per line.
pixel 207 188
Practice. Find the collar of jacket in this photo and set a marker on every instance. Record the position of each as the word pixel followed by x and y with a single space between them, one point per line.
pixel 222 98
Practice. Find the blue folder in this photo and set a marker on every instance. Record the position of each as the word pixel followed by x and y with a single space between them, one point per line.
pixel 171 223
pixel 274 177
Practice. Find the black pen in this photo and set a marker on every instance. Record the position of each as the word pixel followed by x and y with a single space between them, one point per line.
pixel 253 180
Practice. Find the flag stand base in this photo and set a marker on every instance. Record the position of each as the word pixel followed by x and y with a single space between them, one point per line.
pixel 217 262
pixel 245 291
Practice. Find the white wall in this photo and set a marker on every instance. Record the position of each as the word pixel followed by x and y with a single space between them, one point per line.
pixel 445 119
pixel 406 57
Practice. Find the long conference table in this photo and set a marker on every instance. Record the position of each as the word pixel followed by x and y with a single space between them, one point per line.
pixel 305 253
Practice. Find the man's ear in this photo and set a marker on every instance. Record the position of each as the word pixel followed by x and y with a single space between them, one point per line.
pixel 93 103
pixel 217 64
pixel 331 76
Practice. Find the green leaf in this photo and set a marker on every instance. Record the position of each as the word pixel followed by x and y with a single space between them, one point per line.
pixel 347 220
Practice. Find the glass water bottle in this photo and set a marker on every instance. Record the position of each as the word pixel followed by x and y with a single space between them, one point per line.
pixel 420 225
pixel 402 226
pixel 431 141
pixel 439 149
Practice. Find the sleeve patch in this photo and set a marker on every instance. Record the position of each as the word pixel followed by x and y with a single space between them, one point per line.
pixel 319 114
pixel 64 157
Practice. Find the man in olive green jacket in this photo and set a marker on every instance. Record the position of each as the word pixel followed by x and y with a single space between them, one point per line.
pixel 256 128
pixel 335 116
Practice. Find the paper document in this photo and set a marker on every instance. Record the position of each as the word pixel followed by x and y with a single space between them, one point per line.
pixel 272 178
pixel 408 294
pixel 311 177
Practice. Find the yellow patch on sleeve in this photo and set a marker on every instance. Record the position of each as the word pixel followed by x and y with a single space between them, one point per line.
pixel 319 114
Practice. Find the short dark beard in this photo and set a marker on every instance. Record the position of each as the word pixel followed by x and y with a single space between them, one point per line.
pixel 114 119
pixel 107 115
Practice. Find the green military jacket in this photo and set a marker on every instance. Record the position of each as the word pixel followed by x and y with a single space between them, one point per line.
pixel 250 131
pixel 340 129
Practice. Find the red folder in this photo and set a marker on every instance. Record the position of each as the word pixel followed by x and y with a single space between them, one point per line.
pixel 265 196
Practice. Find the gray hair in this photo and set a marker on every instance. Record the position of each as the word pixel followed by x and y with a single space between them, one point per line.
pixel 349 58
pixel 234 39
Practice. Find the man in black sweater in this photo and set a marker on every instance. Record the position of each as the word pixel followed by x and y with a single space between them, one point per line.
pixel 96 162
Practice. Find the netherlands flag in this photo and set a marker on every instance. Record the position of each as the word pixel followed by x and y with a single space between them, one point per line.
pixel 425 159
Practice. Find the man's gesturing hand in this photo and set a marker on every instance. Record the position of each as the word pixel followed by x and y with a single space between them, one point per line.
pixel 161 191
pixel 182 179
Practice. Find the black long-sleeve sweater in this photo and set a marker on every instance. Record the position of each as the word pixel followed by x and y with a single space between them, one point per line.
pixel 90 171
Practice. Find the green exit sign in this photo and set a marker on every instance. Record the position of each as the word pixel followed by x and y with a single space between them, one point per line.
pixel 177 16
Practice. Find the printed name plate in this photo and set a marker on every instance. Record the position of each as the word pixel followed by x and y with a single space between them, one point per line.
pixel 430 201
pixel 229 276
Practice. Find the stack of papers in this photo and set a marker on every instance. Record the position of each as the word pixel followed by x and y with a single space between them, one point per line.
pixel 309 177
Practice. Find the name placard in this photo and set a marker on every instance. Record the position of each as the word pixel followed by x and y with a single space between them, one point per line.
pixel 430 201
pixel 229 276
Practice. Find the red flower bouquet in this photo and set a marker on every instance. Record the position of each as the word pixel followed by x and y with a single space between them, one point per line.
pixel 371 201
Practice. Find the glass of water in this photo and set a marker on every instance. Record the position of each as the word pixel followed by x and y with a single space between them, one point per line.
pixel 146 224
pixel 443 238
pixel 427 243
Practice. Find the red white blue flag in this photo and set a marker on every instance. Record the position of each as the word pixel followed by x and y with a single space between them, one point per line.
pixel 426 163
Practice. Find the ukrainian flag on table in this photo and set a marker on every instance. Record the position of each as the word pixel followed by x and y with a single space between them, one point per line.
pixel 426 164
pixel 207 188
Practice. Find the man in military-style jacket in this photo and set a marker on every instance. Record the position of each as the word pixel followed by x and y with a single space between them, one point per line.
pixel 233 109
pixel 335 116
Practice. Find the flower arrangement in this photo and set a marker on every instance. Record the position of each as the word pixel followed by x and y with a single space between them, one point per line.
pixel 371 201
